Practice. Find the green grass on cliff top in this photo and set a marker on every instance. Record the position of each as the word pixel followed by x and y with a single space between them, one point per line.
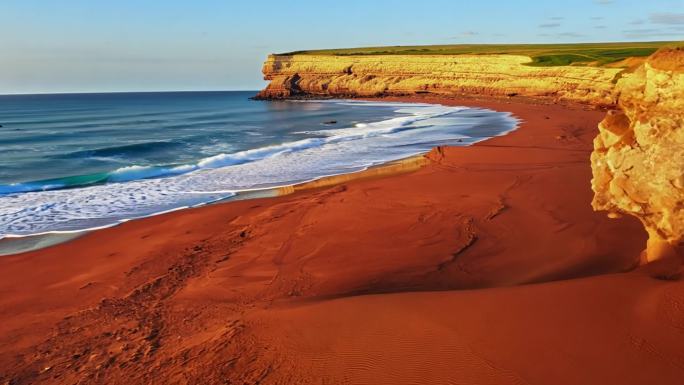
pixel 543 55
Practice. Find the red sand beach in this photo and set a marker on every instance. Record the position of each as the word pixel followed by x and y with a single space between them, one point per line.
pixel 486 266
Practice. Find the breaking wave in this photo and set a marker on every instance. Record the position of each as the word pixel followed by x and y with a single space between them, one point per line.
pixel 103 199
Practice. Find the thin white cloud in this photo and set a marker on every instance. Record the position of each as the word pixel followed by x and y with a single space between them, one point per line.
pixel 641 30
pixel 569 34
pixel 562 35
pixel 641 33
pixel 465 34
pixel 667 18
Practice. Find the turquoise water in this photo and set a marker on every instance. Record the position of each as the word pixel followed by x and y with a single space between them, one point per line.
pixel 75 161
pixel 55 141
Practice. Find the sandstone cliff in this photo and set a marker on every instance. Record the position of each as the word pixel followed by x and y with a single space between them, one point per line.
pixel 638 158
pixel 487 75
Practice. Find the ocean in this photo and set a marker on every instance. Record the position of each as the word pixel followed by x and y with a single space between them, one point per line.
pixel 70 162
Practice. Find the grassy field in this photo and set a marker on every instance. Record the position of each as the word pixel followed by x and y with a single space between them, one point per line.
pixel 541 54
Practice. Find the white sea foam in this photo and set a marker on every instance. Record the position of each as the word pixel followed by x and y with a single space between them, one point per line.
pixel 416 129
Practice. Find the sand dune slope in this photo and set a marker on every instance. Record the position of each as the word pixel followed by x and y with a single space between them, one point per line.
pixel 622 329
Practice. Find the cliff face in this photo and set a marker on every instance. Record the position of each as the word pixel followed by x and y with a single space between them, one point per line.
pixel 638 158
pixel 487 75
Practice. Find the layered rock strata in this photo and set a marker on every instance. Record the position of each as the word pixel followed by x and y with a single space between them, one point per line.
pixel 485 75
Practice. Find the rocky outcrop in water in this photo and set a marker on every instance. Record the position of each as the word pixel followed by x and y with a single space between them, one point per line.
pixel 638 158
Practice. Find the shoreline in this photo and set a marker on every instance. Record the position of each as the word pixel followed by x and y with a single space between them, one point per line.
pixel 12 245
pixel 16 244
pixel 369 280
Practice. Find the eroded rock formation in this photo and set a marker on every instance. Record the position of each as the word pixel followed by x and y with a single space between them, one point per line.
pixel 638 158
pixel 486 75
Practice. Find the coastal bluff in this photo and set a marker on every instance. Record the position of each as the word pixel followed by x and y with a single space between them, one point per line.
pixel 638 157
pixel 505 75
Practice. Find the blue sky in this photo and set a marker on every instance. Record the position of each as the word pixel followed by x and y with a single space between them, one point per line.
pixel 147 45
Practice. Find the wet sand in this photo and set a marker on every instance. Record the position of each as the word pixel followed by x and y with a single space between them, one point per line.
pixel 485 266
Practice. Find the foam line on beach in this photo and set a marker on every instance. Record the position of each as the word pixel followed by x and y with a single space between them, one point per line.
pixel 137 191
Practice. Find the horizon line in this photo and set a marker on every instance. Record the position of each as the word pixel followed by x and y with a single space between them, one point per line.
pixel 471 44
pixel 120 92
